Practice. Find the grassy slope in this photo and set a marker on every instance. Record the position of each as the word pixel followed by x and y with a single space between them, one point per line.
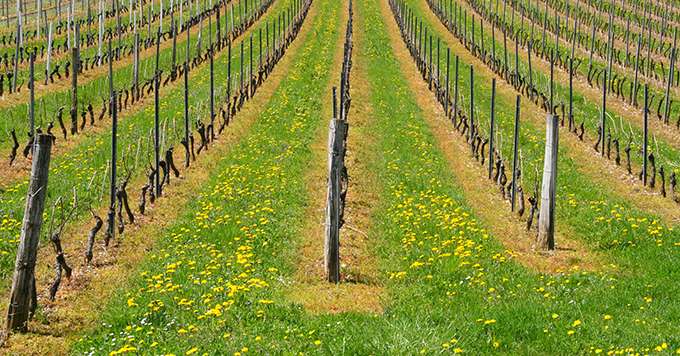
pixel 214 285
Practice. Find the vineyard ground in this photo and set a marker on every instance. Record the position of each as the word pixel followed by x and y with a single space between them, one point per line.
pixel 230 260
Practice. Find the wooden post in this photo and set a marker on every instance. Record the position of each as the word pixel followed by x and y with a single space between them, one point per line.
pixel 481 37
pixel 546 219
pixel 174 46
pixel 100 34
pixel 472 34
pixel 667 110
pixel 251 91
pixel 571 94
pixel 633 92
pixel 545 25
pixel 16 56
pixel 118 31
pixel 156 126
pixel 552 83
pixel 603 118
pixel 627 40
pixel 438 78
pixel 114 151
pixel 472 104
pixel 491 125
pixel 645 136
pixel 23 298
pixel 649 48
pixel 531 73
pixel 592 48
pixel 75 64
pixel 446 95
pixel 516 81
pixel 212 84
pixel 187 157
pixel 557 35
pixel 337 134
pixel 493 43
pixel 49 53
pixel 31 86
pixel 505 53
pixel 229 77
pixel 241 72
pixel 515 147
pixel 573 40
pixel 455 92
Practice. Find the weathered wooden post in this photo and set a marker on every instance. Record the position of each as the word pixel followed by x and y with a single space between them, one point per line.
pixel 429 66
pixel 645 136
pixel 545 25
pixel 667 110
pixel 531 73
pixel 111 231
pixel 633 92
pixel 212 83
pixel 100 34
pixel 557 35
pixel 251 87
pixel 603 118
pixel 491 126
pixel 472 106
pixel 241 71
pixel 156 123
pixel 438 82
pixel 571 93
pixel 446 94
pixel 23 297
pixel 16 57
pixel 31 87
pixel 573 40
pixel 592 48
pixel 505 53
pixel 337 134
pixel 481 37
pixel 455 92
pixel 228 78
pixel 627 61
pixel 649 48
pixel 493 43
pixel 75 63
pixel 187 156
pixel 472 35
pixel 515 147
pixel 546 220
pixel 610 54
pixel 49 53
pixel 516 81
pixel 174 46
pixel 552 83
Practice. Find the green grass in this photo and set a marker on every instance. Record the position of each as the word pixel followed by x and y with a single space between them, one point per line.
pixel 216 281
